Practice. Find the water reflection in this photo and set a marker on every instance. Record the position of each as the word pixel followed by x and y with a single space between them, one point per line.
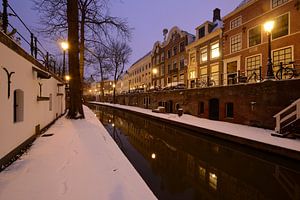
pixel 177 164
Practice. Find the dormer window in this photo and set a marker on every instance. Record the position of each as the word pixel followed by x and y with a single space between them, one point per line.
pixel 201 32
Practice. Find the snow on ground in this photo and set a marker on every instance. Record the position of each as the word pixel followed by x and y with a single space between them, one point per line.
pixel 80 161
pixel 242 131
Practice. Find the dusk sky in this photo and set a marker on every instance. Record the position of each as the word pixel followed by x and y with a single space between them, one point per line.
pixel 147 17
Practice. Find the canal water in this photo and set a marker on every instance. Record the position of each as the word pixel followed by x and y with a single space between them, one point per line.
pixel 179 164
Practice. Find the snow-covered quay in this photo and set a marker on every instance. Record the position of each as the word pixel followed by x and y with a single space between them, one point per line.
pixel 79 161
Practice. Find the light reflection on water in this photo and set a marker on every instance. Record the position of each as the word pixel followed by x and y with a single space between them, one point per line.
pixel 178 164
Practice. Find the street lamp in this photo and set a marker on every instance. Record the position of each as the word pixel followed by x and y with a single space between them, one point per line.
pixel 268 26
pixel 65 47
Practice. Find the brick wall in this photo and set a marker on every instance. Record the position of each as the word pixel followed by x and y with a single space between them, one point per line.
pixel 253 104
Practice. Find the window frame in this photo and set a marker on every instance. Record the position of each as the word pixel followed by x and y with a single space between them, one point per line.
pixel 289 25
pixel 248 36
pixel 235 19
pixel 241 41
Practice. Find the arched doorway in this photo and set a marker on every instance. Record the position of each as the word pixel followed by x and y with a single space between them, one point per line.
pixel 214 109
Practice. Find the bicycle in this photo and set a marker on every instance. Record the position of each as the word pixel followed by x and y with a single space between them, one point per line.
pixel 256 77
pixel 205 83
pixel 287 72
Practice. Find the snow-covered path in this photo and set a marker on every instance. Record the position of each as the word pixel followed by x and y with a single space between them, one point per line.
pixel 80 161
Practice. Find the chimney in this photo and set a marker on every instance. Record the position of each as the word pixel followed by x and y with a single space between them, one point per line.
pixel 217 14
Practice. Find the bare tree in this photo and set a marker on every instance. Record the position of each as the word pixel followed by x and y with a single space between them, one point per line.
pixel 119 53
pixel 94 20
pixel 75 109
pixel 98 57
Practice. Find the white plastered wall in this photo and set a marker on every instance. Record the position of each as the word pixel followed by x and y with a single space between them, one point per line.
pixel 35 112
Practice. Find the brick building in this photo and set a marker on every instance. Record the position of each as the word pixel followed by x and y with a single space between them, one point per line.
pixel 245 46
pixel 169 59
pixel 205 59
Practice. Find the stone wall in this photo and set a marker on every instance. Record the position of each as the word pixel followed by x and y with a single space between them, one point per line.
pixel 253 104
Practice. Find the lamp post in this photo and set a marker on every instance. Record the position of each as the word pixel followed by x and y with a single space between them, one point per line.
pixel 65 47
pixel 268 26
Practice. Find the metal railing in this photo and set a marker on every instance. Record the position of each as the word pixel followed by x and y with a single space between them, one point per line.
pixel 27 39
pixel 287 116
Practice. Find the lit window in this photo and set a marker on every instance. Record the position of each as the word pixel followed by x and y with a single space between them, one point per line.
pixel 202 173
pixel 236 22
pixel 214 73
pixel 276 3
pixel 192 74
pixel 214 49
pixel 281 27
pixel 213 180
pixel 255 36
pixel 236 43
pixel 203 55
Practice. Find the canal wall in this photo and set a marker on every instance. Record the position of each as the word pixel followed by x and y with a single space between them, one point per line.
pixel 249 104
pixel 31 98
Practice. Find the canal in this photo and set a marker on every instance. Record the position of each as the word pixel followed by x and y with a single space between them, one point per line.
pixel 179 164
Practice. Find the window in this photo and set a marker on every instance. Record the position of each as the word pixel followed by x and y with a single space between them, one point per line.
pixel 162 70
pixel 282 55
pixel 253 64
pixel 181 47
pixel 181 78
pixel 236 22
pixel 203 55
pixel 203 73
pixel 18 105
pixel 200 108
pixel 276 3
pixel 169 68
pixel 202 173
pixel 181 63
pixel 254 36
pixel 169 53
pixel 282 26
pixel 50 102
pixel 201 32
pixel 214 50
pixel 157 59
pixel 192 58
pixel 236 43
pixel 192 74
pixel 229 110
pixel 162 56
pixel 213 180
pixel 214 74
pixel 175 50
pixel 175 65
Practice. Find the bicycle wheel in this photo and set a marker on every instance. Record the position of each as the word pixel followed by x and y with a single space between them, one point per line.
pixel 285 73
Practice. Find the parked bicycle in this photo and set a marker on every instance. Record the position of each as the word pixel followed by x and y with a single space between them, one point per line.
pixel 287 70
pixel 205 82
pixel 255 76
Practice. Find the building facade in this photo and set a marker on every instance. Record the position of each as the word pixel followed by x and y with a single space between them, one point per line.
pixel 205 56
pixel 139 74
pixel 245 46
pixel 169 59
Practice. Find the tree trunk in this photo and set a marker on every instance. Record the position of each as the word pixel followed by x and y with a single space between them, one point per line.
pixel 75 110
pixel 81 61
